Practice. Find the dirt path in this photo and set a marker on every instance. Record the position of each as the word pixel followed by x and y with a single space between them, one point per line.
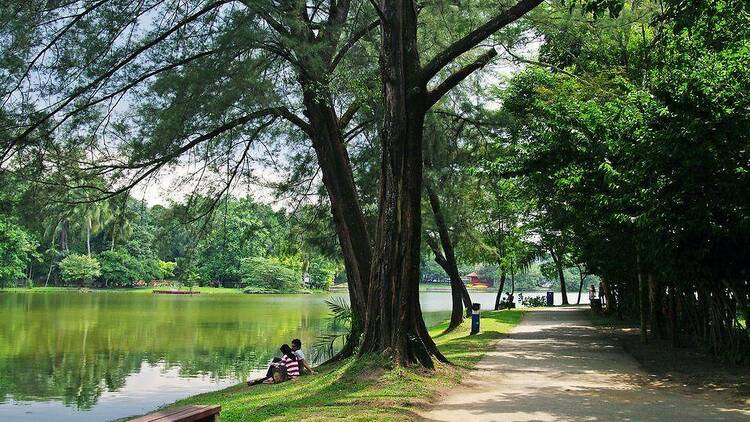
pixel 555 366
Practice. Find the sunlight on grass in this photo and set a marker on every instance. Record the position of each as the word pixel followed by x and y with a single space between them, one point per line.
pixel 363 389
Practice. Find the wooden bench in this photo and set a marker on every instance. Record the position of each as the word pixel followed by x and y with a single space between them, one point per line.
pixel 192 413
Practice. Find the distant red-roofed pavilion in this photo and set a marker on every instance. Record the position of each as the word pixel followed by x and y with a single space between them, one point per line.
pixel 475 281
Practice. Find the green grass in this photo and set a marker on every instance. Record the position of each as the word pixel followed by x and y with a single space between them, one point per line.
pixel 366 389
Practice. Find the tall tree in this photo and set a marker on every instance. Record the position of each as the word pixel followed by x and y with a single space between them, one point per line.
pixel 213 77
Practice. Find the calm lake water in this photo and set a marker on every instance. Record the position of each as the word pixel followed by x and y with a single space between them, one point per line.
pixel 97 356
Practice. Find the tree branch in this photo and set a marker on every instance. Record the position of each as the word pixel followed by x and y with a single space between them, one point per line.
pixel 538 63
pixel 57 37
pixel 476 36
pixel 129 58
pixel 348 114
pixel 351 42
pixel 454 79
pixel 294 119
pixel 277 111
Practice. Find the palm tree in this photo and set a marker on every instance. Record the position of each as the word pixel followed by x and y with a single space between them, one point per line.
pixel 86 218
pixel 120 222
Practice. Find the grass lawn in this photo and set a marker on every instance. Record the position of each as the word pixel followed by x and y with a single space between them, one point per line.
pixel 366 389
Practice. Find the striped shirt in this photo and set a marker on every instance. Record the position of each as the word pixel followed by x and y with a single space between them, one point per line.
pixel 292 366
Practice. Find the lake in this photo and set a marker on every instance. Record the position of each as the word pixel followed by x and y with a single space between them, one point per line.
pixel 70 356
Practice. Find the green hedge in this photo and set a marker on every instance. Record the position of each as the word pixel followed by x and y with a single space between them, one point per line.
pixel 269 274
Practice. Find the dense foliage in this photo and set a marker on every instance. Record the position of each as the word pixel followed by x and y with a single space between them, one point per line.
pixel 263 273
pixel 16 249
pixel 80 269
pixel 635 159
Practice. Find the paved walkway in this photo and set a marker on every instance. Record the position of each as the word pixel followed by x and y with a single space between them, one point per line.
pixel 555 366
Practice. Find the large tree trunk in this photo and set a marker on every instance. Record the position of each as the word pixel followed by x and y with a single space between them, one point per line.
pixel 559 266
pixel 642 301
pixel 447 261
pixel 499 296
pixel 608 294
pixel 348 217
pixel 580 286
pixel 673 327
pixel 394 318
pixel 655 296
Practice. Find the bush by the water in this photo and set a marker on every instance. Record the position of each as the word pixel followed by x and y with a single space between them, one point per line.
pixel 15 250
pixel 80 269
pixel 321 273
pixel 533 301
pixel 167 269
pixel 120 269
pixel 268 274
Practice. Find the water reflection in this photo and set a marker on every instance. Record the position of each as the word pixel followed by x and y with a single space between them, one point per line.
pixel 132 351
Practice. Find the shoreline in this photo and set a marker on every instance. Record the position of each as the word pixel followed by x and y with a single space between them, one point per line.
pixel 367 388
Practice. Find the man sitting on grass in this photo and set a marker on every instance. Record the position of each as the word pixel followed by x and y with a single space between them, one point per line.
pixel 297 348
pixel 287 367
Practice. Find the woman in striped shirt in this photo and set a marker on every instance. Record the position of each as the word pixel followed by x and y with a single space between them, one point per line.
pixel 281 369
pixel 289 359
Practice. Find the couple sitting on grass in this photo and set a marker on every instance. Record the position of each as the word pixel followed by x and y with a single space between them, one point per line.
pixel 287 366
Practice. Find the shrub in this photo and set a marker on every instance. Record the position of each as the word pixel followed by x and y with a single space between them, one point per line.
pixel 119 268
pixel 321 273
pixel 150 269
pixel 269 274
pixel 80 269
pixel 217 271
pixel 534 301
pixel 166 269
pixel 16 248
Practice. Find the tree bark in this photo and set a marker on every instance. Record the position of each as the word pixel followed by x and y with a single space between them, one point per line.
pixel 348 217
pixel 457 303
pixel 459 292
pixel 499 296
pixel 394 323
pixel 608 296
pixel 580 285
pixel 394 319
pixel 673 327
pixel 655 300
pixel 558 265
pixel 642 301
pixel 314 57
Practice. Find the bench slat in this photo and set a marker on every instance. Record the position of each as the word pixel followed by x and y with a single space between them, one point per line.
pixel 159 414
pixel 181 414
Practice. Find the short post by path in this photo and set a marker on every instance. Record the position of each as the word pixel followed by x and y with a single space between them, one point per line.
pixel 475 318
